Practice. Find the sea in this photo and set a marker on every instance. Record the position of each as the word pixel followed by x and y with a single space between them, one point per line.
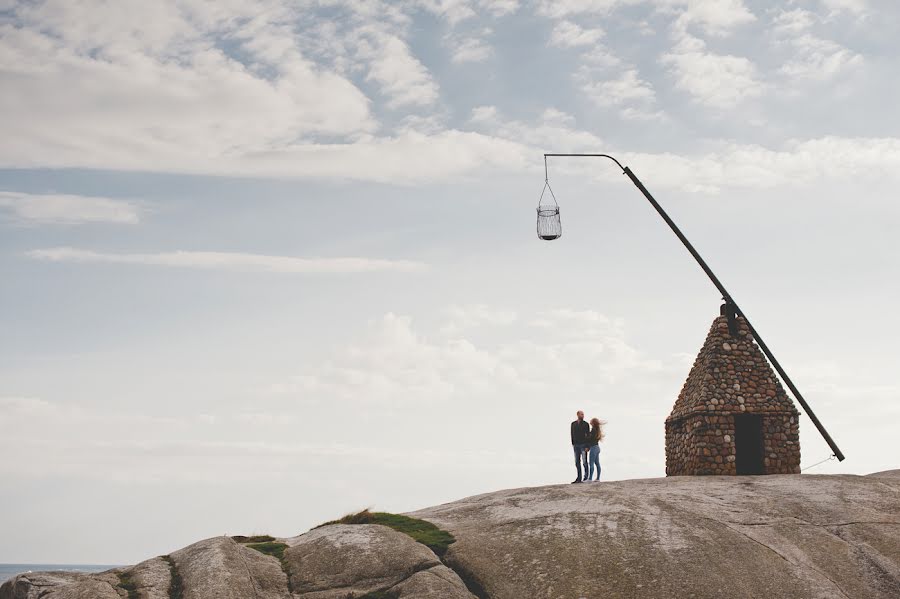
pixel 8 571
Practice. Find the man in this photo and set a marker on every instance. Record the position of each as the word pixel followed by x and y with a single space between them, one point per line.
pixel 581 430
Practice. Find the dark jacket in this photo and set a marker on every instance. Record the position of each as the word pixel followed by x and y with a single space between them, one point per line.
pixel 593 437
pixel 581 431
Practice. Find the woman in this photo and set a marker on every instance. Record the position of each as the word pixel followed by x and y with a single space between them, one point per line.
pixel 596 435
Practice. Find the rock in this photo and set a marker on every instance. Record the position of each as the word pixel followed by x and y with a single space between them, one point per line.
pixel 221 568
pixel 61 585
pixel 439 582
pixel 338 560
pixel 37 584
pixel 152 578
pixel 778 536
pixel 886 474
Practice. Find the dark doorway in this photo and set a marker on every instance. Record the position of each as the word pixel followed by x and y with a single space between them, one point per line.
pixel 748 444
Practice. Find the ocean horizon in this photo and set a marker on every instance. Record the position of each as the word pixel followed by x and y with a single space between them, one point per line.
pixel 8 571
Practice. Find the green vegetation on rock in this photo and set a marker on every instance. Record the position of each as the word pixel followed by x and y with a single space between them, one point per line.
pixel 176 586
pixel 269 548
pixel 128 585
pixel 424 532
pixel 252 539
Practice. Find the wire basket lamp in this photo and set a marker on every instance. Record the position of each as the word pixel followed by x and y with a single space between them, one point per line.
pixel 549 227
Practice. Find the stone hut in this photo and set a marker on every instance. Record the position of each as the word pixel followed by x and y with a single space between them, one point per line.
pixel 732 415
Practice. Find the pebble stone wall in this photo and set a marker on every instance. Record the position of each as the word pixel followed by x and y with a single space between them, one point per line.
pixel 730 376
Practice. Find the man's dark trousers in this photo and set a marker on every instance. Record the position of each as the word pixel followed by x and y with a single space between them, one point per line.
pixel 580 432
pixel 581 457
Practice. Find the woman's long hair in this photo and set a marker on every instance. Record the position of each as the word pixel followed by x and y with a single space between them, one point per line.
pixel 597 429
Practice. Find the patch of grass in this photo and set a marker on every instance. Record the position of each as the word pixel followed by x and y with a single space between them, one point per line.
pixel 176 586
pixel 424 532
pixel 270 548
pixel 268 545
pixel 127 584
pixel 253 539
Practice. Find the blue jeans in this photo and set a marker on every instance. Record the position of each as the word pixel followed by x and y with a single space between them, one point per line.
pixel 594 460
pixel 580 457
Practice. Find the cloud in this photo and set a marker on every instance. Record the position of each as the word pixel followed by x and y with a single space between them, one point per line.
pixel 855 7
pixel 465 318
pixel 796 162
pixel 456 11
pixel 401 76
pixel 567 34
pixel 628 87
pixel 68 209
pixel 557 9
pixel 714 17
pixel 396 364
pixel 813 57
pixel 470 49
pixel 500 8
pixel 553 129
pixel 715 80
pixel 148 80
pixel 634 96
pixel 409 156
pixel 254 90
pixel 229 261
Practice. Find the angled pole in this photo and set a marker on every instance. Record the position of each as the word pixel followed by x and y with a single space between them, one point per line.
pixel 725 295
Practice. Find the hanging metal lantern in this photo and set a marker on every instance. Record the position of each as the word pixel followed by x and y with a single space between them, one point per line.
pixel 549 227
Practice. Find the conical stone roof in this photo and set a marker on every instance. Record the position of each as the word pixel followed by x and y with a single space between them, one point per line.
pixel 731 376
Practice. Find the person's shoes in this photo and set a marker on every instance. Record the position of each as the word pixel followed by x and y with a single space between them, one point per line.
pixel 577 480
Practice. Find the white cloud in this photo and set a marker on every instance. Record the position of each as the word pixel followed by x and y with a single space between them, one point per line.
pixel 402 77
pixel 470 49
pixel 230 261
pixel 500 8
pixel 68 209
pixel 152 88
pixel 715 17
pixel 465 318
pixel 409 156
pixel 554 129
pixel 601 57
pixel 456 11
pixel 567 34
pixel 749 166
pixel 797 163
pixel 628 87
pixel 147 80
pixel 812 57
pixel 855 7
pixel 633 96
pixel 818 58
pixel 557 9
pixel 716 80
pixel 397 364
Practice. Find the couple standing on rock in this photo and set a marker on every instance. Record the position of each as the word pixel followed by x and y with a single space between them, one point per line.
pixel 586 444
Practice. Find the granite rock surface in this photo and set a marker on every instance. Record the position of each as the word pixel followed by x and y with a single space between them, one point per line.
pixel 778 536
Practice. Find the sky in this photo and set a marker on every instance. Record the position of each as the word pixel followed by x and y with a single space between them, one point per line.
pixel 268 262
